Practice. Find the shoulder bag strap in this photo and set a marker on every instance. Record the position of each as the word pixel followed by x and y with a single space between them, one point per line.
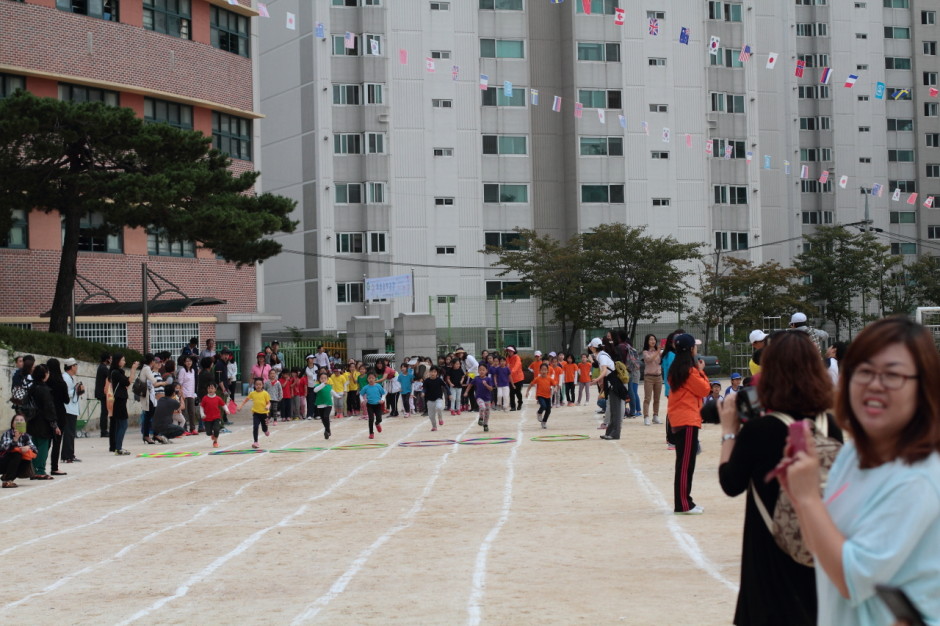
pixel 768 522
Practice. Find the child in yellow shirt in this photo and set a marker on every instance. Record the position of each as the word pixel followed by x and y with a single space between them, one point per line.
pixel 260 407
pixel 339 381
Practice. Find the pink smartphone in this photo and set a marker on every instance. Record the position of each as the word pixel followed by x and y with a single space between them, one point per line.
pixel 797 432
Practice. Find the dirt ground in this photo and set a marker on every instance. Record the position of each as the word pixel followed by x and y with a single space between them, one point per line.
pixel 523 532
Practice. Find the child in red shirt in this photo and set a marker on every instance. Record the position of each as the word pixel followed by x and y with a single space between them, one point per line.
pixel 211 407
pixel 287 387
pixel 299 400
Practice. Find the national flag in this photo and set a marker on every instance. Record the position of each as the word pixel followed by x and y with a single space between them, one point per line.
pixel 896 196
pixel 900 93
pixel 578 109
pixel 800 66
pixel 843 181
pixel 646 128
pixel 713 44
pixel 879 91
pixel 654 27
pixel 771 60
pixel 786 167
pixel 934 92
pixel 235 2
pixel 535 96
pixel 824 177
pixel 745 55
pixel 455 71
pixel 319 30
pixel 349 40
pixel 750 156
pixel 429 64
pixel 729 151
pixel 403 56
pixel 601 117
pixel 850 81
pixel 507 88
pixel 557 1
pixel 929 202
pixel 666 135
pixel 876 189
pixel 710 147
pixel 684 36
pixel 586 6
pixel 623 121
pixel 826 75
pixel 804 171
pixel 556 104
pixel 484 81
pixel 619 16
pixel 374 46
pixel 291 21
pixel 688 140
pixel 263 10
pixel 767 161
pixel 912 199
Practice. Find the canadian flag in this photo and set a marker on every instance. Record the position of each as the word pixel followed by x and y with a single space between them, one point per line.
pixel 929 202
pixel 429 64
pixel 619 15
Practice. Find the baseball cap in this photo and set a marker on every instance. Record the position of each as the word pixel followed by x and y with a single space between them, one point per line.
pixel 595 343
pixel 735 376
pixel 308 357
pixel 513 348
pixel 260 354
pixel 552 354
pixel 538 353
pixel 69 362
pixel 757 335
pixel 684 341
pixel 715 382
pixel 798 318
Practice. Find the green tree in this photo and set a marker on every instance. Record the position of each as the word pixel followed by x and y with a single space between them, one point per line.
pixel 82 158
pixel 638 274
pixel 906 286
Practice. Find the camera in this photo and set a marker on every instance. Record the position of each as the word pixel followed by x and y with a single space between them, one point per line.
pixel 747 402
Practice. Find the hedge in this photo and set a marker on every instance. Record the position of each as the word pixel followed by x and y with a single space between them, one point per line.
pixel 62 346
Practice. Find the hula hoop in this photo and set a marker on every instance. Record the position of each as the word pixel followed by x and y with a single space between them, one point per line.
pixel 429 443
pixel 560 438
pixel 167 455
pixel 361 446
pixel 297 449
pixel 231 452
pixel 481 441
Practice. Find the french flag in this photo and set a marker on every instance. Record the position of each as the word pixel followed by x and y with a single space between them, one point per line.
pixel 850 81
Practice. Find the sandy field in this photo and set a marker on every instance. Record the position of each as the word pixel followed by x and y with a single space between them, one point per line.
pixel 526 532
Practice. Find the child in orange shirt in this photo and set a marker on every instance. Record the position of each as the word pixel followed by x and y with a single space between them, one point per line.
pixel 571 374
pixel 584 379
pixel 543 384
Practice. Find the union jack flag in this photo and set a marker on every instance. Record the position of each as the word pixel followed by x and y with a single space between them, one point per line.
pixel 745 55
pixel 654 27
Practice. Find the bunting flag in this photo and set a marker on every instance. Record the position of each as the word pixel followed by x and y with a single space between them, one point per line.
pixel 710 147
pixel 880 91
pixel 556 104
pixel 619 16
pixel 535 96
pixel 786 167
pixel 349 40
pixel 666 135
pixel 771 60
pixel 713 44
pixel 429 64
pixel 263 10
pixel 455 71
pixel 729 151
pixel 623 121
pixel 745 55
pixel 291 21
pixel 484 81
pixel 896 196
pixel 912 199
pixel 578 107
pixel 507 88
pixel 319 30
pixel 601 117
pixel 934 92
pixel 654 27
pixel 929 202
pixel 804 171
pixel 800 67
pixel 767 160
pixel 900 93
pixel 850 81
pixel 826 75
pixel 646 128
pixel 688 140
pixel 684 36
pixel 876 189
pixel 586 5
pixel 843 181
pixel 557 1
pixel 749 156
pixel 403 56
pixel 824 177
pixel 374 46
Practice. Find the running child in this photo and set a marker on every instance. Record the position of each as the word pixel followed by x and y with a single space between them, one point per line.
pixel 260 405
pixel 483 386
pixel 373 393
pixel 455 381
pixel 435 387
pixel 571 375
pixel 273 386
pixel 500 374
pixel 584 379
pixel 325 395
pixel 406 380
pixel 211 408
pixel 543 384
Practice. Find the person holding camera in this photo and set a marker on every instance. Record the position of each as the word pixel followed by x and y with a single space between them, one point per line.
pixel 775 589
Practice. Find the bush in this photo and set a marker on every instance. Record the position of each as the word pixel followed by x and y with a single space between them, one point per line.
pixel 64 346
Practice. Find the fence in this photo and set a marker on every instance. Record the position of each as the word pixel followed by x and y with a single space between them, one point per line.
pixel 293 354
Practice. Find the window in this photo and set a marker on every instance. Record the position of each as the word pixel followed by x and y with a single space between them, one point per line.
pixel 609 52
pixel 80 93
pixel 933 232
pixel 816 123
pixel 730 240
pixel 732 12
pixel 378 243
pixel 933 170
pixel 933 140
pixel 170 17
pixel 447 299
pixel 811 218
pixel 443 152
pixel 898 93
pixel 109 333
pixel 931 109
pixel 657 62
pixel 232 135
pixel 901 156
pixel 502 49
pixel 506 240
pixel 504 144
pixel 93 235
pixel 930 48
pixel 732 58
pixel 661 202
pixel 439 103
pixel 861 35
pixel 714 10
pixel 602 194
pixel 349 243
pixel 446 250
pixel 159 244
pixel 601 146
pixel 170 336
pixel 375 143
pixel 505 193
pixel 440 54
pixel 813 92
pixel 863 98
pixel 374 93
pixel 726 102
pixel 598 7
pixel 903 248
pixel 172 113
pixel 496 97
pixel 737 148
pixel 928 17
pixel 730 194
pixel 348 193
pixel 506 290
pixel 501 5
pixel 810 3
pixel 10 83
pixel 440 6
pixel 906 186
pixel 814 60
pixel 508 337
pixel 897 32
pixel 861 5
pixel 897 4
pixel 376 193
pixel 655 15
pixel 659 108
pixel 349 292
pixel 930 78
pixel 899 124
pixel 812 30
pixel 102 9
pixel 367 44
pixel 443 201
pixel 347 94
pixel 864 159
pixel 659 154
pixel 356 3
pixel 864 129
pixel 18 235
pixel 340 49
pixel 600 98
pixel 814 186
pixel 903 217
pixel 229 31
pixel 897 63
pixel 862 66
pixel 815 154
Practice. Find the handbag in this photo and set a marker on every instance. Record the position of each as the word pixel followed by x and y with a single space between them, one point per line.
pixel 232 407
pixel 140 387
pixel 19 394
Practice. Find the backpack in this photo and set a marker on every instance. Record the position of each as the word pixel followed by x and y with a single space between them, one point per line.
pixel 622 373
pixel 27 407
pixel 139 388
pixel 784 525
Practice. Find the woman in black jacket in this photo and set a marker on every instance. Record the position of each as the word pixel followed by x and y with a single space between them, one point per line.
pixel 41 426
pixel 60 396
pixel 119 383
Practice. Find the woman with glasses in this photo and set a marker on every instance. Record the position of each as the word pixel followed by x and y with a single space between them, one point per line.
pixel 879 518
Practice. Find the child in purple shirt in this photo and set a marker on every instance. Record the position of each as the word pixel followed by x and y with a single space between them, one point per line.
pixel 500 374
pixel 483 386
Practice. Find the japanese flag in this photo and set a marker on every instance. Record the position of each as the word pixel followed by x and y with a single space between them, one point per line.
pixel 291 21
pixel 666 135
pixel 843 181
pixel 771 60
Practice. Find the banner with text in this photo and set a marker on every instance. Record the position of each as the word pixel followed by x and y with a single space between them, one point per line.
pixel 388 287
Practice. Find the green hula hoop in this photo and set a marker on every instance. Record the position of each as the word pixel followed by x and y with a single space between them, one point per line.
pixel 297 449
pixel 167 455
pixel 480 441
pixel 361 446
pixel 429 443
pixel 560 438
pixel 231 452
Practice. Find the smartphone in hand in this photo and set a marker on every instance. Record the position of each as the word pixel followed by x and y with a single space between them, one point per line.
pixel 900 605
pixel 797 432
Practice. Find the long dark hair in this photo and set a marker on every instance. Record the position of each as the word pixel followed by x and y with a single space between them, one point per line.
pixel 183 363
pixel 681 368
pixel 116 361
pixel 55 371
pixel 646 342
pixel 669 347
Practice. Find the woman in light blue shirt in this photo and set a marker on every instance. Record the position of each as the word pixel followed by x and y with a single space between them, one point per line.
pixel 878 521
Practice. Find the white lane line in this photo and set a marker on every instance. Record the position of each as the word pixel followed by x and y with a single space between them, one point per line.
pixel 406 520
pixel 210 569
pixel 683 539
pixel 474 609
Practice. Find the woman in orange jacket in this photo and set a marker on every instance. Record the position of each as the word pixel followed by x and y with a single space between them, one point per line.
pixel 689 385
pixel 516 378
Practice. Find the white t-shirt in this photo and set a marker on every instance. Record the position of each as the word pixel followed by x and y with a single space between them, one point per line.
pixel 604 360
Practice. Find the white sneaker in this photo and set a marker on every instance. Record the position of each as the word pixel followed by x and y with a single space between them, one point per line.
pixel 646 421
pixel 656 419
pixel 697 510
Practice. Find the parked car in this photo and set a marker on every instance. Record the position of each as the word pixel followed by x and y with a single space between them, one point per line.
pixel 712 367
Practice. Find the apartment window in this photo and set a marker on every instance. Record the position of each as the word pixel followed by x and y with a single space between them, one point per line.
pixel 80 93
pixel 347 143
pixel 447 299
pixel 659 108
pixel 10 83
pixel 655 15
pixel 601 146
pixel 897 63
pixel 348 193
pixel 897 93
pixel 102 9
pixel 714 10
pixel 108 333
pixel 812 218
pixel 727 102
pixel 347 94
pixel 378 243
pixel 349 243
pixel 903 248
pixel 737 148
pixel 897 4
pixel 659 154
pixel 496 97
pixel 897 32
pixel 725 240
pixel 229 31
pixel 349 292
pixel 816 123
pixel 505 193
pixel 901 156
pixel 933 170
pixel 815 154
pixel 440 54
pixel 505 240
pixel 814 186
pixel 863 98
pixel 900 124
pixel 501 5
pixel 440 6
pixel 662 202
pixel 902 217
pixel 726 57
pixel 520 338
pixel 439 103
pixel 930 78
pixel 356 3
pixel 930 48
pixel 375 193
pixel 18 235
pixel 504 144
pixel 906 186
pixel 813 92
pixel 861 5
pixel 599 7
pixel 443 201
pixel 170 17
pixel 730 194
pixel 932 140
pixel 812 30
pixel 864 129
pixel 600 98
pixel 928 17
pixel 814 60
pixel 506 290
pixel 733 12
pixel 612 194
pixel 933 232
pixel 446 250
pixel 375 143
pixel 502 49
pixel 931 109
pixel 172 113
pixel 443 152
pixel 160 244
pixel 862 66
pixel 861 35
pixel 340 49
pixel 864 159
pixel 809 3
pixel 232 135
pixel 93 236
pixel 609 52
pixel 657 62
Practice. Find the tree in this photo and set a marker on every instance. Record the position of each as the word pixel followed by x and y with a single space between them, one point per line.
pixel 639 275
pixel 910 285
pixel 82 158
pixel 554 273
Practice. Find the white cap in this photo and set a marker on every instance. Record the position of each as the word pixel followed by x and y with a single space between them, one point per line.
pixel 757 335
pixel 69 363
pixel 538 353
pixel 798 318
pixel 552 354
pixel 595 343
